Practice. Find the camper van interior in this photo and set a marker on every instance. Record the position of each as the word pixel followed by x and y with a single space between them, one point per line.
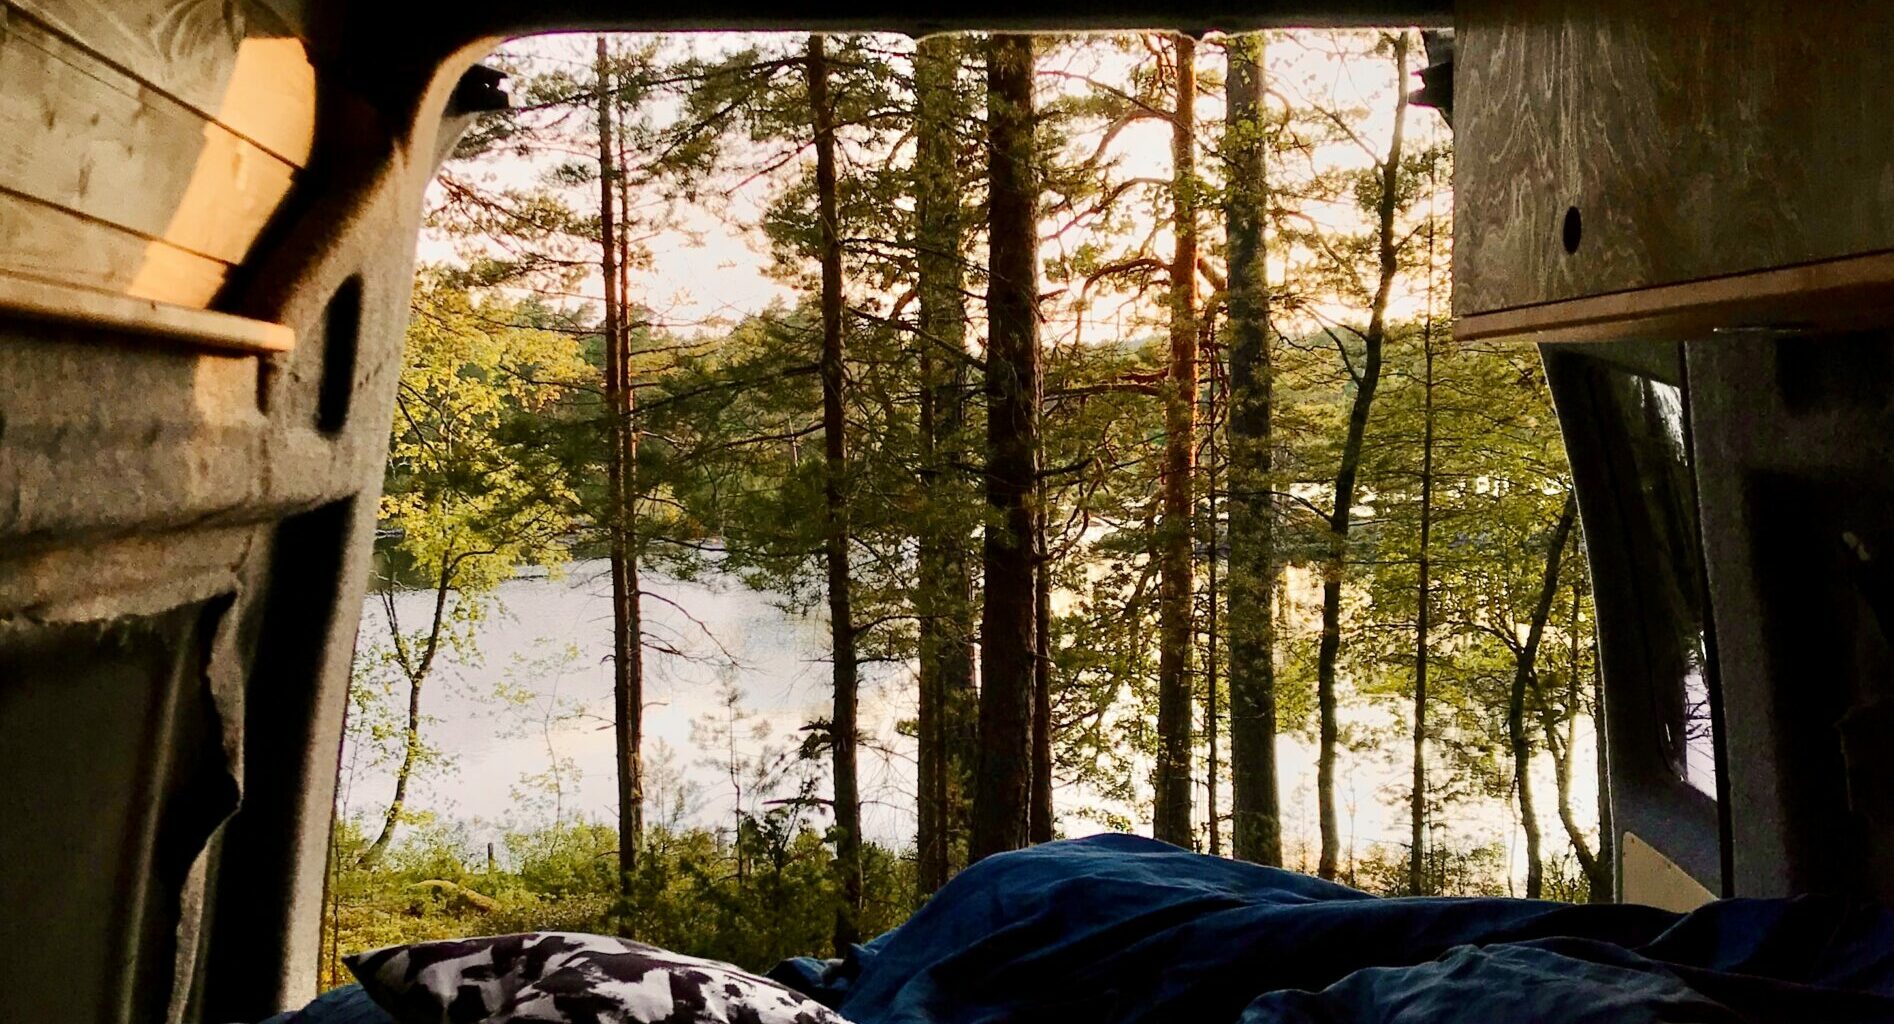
pixel 1678 214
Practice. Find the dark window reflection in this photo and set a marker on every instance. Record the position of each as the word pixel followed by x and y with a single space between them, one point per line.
pixel 1652 414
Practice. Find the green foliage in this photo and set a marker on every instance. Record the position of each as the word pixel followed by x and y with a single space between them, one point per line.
pixel 468 495
pixel 1450 871
pixel 765 896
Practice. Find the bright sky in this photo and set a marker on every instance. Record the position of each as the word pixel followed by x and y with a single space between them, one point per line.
pixel 708 270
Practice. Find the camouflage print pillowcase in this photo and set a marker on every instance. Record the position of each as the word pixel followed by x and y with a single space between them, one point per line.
pixel 566 978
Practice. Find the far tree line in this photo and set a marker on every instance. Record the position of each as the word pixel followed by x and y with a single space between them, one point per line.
pixel 1137 466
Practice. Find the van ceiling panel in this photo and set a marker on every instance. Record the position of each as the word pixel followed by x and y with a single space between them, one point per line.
pixel 501 17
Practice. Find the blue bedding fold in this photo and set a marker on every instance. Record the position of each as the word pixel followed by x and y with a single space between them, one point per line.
pixel 1123 929
pixel 346 1005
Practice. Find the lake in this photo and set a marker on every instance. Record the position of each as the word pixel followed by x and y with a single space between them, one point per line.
pixel 552 637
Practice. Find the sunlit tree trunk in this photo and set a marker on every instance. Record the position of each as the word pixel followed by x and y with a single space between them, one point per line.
pixel 1561 738
pixel 1334 567
pixel 1171 781
pixel 943 602
pixel 627 643
pixel 1424 597
pixel 415 667
pixel 1040 830
pixel 1003 780
pixel 843 730
pixel 628 610
pixel 1211 711
pixel 1525 660
pixel 631 709
pixel 1256 824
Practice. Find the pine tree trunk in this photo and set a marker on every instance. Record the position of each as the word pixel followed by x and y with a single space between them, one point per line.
pixel 843 730
pixel 631 709
pixel 627 644
pixel 943 602
pixel 628 614
pixel 1171 781
pixel 1212 768
pixel 1256 822
pixel 1417 796
pixel 1335 565
pixel 1040 828
pixel 962 705
pixel 930 725
pixel 1524 667
pixel 1003 780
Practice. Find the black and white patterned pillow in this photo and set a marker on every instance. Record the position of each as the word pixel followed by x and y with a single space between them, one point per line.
pixel 567 978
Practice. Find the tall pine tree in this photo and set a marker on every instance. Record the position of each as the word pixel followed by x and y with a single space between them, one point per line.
pixel 1003 780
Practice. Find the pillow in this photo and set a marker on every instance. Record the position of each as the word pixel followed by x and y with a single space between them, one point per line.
pixel 567 978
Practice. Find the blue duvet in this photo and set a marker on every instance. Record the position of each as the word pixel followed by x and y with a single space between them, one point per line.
pixel 1123 929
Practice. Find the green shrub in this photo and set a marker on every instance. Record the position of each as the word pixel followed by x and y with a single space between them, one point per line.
pixel 765 894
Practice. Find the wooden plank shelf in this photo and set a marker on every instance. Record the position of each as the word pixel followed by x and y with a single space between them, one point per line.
pixel 1848 293
pixel 50 302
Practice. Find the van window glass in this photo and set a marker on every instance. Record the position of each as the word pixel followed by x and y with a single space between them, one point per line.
pixel 1653 417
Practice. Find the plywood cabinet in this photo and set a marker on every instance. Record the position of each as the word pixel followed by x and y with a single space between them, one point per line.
pixel 1612 146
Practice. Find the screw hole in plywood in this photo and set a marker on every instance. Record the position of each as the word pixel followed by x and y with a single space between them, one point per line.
pixel 1572 231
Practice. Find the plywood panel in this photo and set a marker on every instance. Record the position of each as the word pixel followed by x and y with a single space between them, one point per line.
pixel 87 138
pixel 41 241
pixel 1654 880
pixel 1695 139
pixel 271 96
pixel 234 62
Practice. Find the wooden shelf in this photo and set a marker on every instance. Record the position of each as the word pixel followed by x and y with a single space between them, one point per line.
pixel 1839 294
pixel 51 302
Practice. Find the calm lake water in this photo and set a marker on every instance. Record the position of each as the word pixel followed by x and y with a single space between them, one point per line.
pixel 552 636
